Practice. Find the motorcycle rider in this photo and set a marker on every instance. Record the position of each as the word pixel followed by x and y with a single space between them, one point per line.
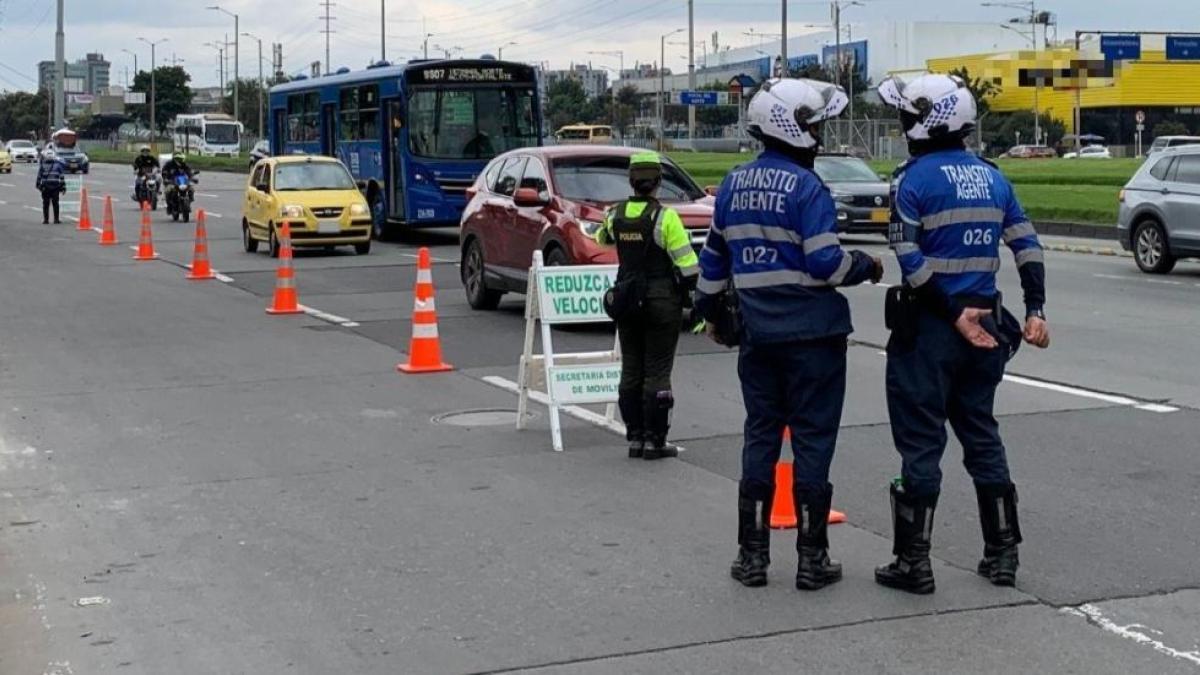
pixel 177 166
pixel 144 163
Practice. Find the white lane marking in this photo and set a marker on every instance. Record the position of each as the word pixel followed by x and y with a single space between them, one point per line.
pixel 32 208
pixel 3 203
pixel 415 256
pixel 326 316
pixel 7 185
pixel 1131 632
pixel 205 194
pixel 213 215
pixel 1164 282
pixel 573 410
pixel 224 278
pixel 97 230
pixel 1087 393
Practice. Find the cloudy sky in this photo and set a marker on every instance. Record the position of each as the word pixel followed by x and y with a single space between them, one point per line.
pixel 554 31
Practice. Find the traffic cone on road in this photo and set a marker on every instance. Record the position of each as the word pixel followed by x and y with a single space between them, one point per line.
pixel 425 348
pixel 201 269
pixel 145 249
pixel 783 508
pixel 285 300
pixel 85 215
pixel 108 235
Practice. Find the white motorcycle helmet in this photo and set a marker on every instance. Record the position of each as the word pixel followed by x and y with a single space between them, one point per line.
pixel 931 105
pixel 48 154
pixel 792 110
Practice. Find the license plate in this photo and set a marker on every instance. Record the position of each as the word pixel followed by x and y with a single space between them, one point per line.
pixel 331 227
pixel 880 215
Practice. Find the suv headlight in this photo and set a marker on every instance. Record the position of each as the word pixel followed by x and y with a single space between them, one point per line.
pixel 291 211
pixel 590 227
pixel 358 210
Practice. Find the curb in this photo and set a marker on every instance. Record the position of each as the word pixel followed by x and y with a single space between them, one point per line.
pixel 1078 230
pixel 1089 250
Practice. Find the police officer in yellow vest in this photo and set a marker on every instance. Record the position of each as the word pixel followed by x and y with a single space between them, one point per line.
pixel 653 246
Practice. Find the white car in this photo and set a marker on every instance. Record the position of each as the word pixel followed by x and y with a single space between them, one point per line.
pixel 1090 152
pixel 22 151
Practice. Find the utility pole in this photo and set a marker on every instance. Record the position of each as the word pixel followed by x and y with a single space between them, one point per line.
pixel 60 72
pixel 692 72
pixel 328 5
pixel 261 85
pixel 662 85
pixel 425 46
pixel 153 90
pixel 620 54
pixel 237 53
pixel 783 42
pixel 135 66
pixel 383 30
pixel 1037 85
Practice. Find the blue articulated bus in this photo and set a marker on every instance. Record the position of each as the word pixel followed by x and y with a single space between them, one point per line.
pixel 415 136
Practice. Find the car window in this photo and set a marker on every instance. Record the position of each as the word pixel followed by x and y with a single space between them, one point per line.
pixel 535 177
pixel 1187 169
pixel 510 176
pixel 844 170
pixel 489 174
pixel 1161 169
pixel 313 176
pixel 256 175
pixel 605 179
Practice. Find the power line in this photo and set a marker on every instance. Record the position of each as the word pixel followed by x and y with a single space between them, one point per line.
pixel 14 70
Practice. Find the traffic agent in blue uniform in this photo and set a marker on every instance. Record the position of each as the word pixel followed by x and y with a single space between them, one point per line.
pixel 773 248
pixel 951 336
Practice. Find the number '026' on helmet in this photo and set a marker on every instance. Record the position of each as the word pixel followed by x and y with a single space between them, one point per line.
pixel 931 106
pixel 791 110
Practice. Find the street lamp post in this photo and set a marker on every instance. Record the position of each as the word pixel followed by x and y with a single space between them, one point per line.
pixel 662 84
pixel 500 52
pixel 135 66
pixel 425 45
pixel 620 54
pixel 237 42
pixel 153 91
pixel 261 85
pixel 1033 42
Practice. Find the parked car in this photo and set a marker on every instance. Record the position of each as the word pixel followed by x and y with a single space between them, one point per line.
pixel 1030 152
pixel 261 150
pixel 553 199
pixel 318 198
pixel 1163 142
pixel 22 151
pixel 6 161
pixel 1159 219
pixel 861 196
pixel 1090 152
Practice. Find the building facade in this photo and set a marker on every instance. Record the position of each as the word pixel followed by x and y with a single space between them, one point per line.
pixel 88 76
pixel 593 80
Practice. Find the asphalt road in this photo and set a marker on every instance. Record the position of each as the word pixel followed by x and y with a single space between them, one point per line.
pixel 189 485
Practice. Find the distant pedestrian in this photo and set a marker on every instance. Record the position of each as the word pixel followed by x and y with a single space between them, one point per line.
pixel 51 182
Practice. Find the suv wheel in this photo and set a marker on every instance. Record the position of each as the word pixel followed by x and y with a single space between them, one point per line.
pixel 1150 248
pixel 556 257
pixel 273 242
pixel 479 296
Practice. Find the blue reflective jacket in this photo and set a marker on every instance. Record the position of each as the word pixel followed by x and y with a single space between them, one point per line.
pixel 774 235
pixel 951 211
pixel 51 176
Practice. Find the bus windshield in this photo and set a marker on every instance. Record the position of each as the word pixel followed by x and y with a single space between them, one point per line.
pixel 220 134
pixel 470 123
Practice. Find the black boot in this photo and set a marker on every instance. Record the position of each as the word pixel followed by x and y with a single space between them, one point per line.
pixel 658 422
pixel 1001 533
pixel 814 568
pixel 912 524
pixel 633 414
pixel 754 541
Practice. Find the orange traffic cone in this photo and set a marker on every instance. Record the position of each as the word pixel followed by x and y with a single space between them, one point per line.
pixel 783 508
pixel 285 300
pixel 201 269
pixel 85 215
pixel 425 348
pixel 108 235
pixel 145 249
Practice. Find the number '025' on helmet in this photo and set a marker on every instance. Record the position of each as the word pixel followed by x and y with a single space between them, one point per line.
pixel 931 105
pixel 791 110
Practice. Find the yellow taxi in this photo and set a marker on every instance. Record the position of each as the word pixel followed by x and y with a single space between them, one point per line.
pixel 5 161
pixel 318 198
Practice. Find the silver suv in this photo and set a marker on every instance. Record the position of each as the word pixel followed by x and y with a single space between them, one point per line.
pixel 1160 210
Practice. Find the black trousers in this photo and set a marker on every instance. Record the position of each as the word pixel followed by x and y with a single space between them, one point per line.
pixel 648 341
pixel 937 378
pixel 50 199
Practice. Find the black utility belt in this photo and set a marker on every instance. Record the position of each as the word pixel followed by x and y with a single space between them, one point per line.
pixel 903 307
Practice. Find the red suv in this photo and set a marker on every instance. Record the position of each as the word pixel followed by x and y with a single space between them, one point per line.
pixel 552 199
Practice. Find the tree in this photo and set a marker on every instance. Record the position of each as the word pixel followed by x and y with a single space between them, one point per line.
pixel 1000 129
pixel 626 108
pixel 248 103
pixel 567 103
pixel 173 96
pixel 24 115
pixel 1170 128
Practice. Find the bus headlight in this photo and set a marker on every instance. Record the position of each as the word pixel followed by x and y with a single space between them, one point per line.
pixel 291 211
pixel 358 210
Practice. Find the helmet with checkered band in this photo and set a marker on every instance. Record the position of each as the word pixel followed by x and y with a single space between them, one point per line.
pixel 791 111
pixel 931 105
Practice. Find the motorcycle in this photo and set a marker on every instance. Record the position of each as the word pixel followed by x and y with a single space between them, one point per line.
pixel 146 189
pixel 180 195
